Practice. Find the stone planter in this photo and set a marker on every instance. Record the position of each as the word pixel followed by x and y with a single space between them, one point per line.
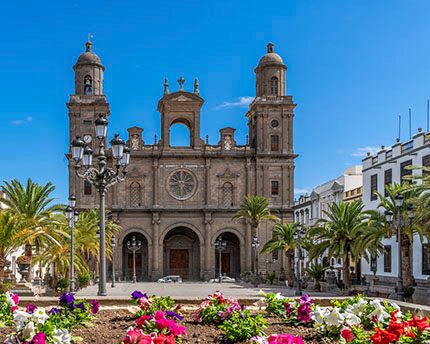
pixel 24 270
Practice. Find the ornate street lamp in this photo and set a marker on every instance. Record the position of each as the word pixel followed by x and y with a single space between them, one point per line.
pixel 399 222
pixel 102 177
pixel 134 245
pixel 300 232
pixel 255 244
pixel 113 244
pixel 220 245
pixel 72 215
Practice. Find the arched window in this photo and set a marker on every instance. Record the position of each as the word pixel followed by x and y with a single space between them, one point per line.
pixel 135 195
pixel 180 135
pixel 274 85
pixel 227 195
pixel 274 143
pixel 88 85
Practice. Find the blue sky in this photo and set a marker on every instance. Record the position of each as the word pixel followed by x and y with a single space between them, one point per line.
pixel 353 67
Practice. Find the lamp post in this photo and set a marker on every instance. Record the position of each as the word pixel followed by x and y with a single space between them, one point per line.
pixel 399 222
pixel 299 237
pixel 72 215
pixel 113 244
pixel 102 177
pixel 220 245
pixel 255 244
pixel 134 245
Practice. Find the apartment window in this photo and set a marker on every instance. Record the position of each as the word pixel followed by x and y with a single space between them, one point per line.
pixel 373 264
pixel 373 187
pixel 87 188
pixel 275 188
pixel 404 171
pixel 426 163
pixel 387 258
pixel 426 259
pixel 388 178
pixel 274 143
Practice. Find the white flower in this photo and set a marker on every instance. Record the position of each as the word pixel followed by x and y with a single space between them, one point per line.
pixel 40 316
pixel 259 340
pixel 28 332
pixel 351 319
pixel 278 296
pixel 335 318
pixel 20 318
pixel 357 308
pixel 379 313
pixel 319 314
pixel 61 336
pixel 9 300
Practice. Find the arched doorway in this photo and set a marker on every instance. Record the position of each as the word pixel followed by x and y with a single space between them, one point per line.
pixel 182 253
pixel 141 258
pixel 230 257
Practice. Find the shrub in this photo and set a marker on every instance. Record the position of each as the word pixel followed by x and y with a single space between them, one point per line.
pixel 63 284
pixel 271 277
pixel 215 309
pixel 84 280
pixel 5 286
pixel 241 325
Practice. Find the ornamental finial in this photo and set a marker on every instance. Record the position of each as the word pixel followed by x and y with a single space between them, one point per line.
pixel 181 82
pixel 166 86
pixel 270 46
pixel 196 87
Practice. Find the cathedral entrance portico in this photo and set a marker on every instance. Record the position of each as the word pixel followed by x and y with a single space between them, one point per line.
pixel 230 256
pixel 181 251
pixel 141 258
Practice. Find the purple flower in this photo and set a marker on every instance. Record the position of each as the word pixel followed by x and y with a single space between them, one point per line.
pixel 67 299
pixel 81 306
pixel 306 299
pixel 136 295
pixel 54 310
pixel 174 315
pixel 30 308
pixel 304 313
pixel 94 306
pixel 287 309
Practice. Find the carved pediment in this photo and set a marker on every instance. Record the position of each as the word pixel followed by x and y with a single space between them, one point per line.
pixel 228 174
pixel 181 98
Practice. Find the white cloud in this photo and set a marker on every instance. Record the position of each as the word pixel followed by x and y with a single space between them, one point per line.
pixel 26 120
pixel 241 102
pixel 299 191
pixel 362 151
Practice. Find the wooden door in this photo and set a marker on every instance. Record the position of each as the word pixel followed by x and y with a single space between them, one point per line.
pixel 178 263
pixel 225 265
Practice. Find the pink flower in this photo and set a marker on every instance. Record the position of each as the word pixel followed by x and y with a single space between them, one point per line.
pixel 39 338
pixel 15 298
pixel 304 313
pixel 285 339
pixel 287 309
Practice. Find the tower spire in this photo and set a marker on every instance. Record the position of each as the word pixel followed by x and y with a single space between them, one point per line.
pixel 270 46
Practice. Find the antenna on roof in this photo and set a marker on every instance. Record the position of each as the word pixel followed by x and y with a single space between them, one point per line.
pixel 410 120
pixel 428 110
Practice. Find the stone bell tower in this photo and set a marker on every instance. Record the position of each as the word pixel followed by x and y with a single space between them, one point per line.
pixel 84 106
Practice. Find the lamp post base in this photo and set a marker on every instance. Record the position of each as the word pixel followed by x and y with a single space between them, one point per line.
pixel 298 293
pixel 101 293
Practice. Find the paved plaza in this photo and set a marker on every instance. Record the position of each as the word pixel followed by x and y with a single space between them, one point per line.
pixel 189 290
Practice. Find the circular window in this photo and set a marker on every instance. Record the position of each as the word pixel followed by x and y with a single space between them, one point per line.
pixel 181 184
pixel 274 123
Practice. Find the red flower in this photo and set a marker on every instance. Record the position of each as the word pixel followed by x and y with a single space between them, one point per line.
pixel 347 334
pixel 141 321
pixel 383 337
pixel 421 323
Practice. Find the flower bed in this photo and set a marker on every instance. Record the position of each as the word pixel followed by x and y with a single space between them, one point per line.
pixel 218 319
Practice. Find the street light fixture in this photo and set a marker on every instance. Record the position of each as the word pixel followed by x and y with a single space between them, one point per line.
pixel 399 222
pixel 300 232
pixel 72 215
pixel 255 244
pixel 134 245
pixel 113 244
pixel 220 245
pixel 102 177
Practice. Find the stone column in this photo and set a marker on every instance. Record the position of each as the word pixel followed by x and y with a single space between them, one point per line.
pixel 248 242
pixel 155 169
pixel 208 268
pixel 248 177
pixel 208 182
pixel 156 260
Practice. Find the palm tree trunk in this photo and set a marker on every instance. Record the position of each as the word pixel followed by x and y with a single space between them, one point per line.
pixel 291 276
pixel 346 273
pixel 2 266
pixel 406 261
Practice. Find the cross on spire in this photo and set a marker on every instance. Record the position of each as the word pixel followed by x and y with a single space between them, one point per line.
pixel 181 82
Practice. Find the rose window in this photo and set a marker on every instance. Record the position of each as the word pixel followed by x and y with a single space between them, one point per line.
pixel 181 184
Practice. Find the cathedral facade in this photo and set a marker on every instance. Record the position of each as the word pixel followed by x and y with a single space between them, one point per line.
pixel 178 200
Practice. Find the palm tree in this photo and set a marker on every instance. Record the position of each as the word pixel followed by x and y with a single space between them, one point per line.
pixel 10 227
pixel 316 271
pixel 32 203
pixel 255 209
pixel 283 239
pixel 411 195
pixel 337 234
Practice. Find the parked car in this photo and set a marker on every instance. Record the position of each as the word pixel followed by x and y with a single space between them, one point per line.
pixel 170 279
pixel 224 279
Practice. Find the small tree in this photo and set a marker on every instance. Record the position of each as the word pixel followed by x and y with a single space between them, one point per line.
pixel 316 271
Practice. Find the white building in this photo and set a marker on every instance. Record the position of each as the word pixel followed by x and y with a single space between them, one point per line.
pixel 385 167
